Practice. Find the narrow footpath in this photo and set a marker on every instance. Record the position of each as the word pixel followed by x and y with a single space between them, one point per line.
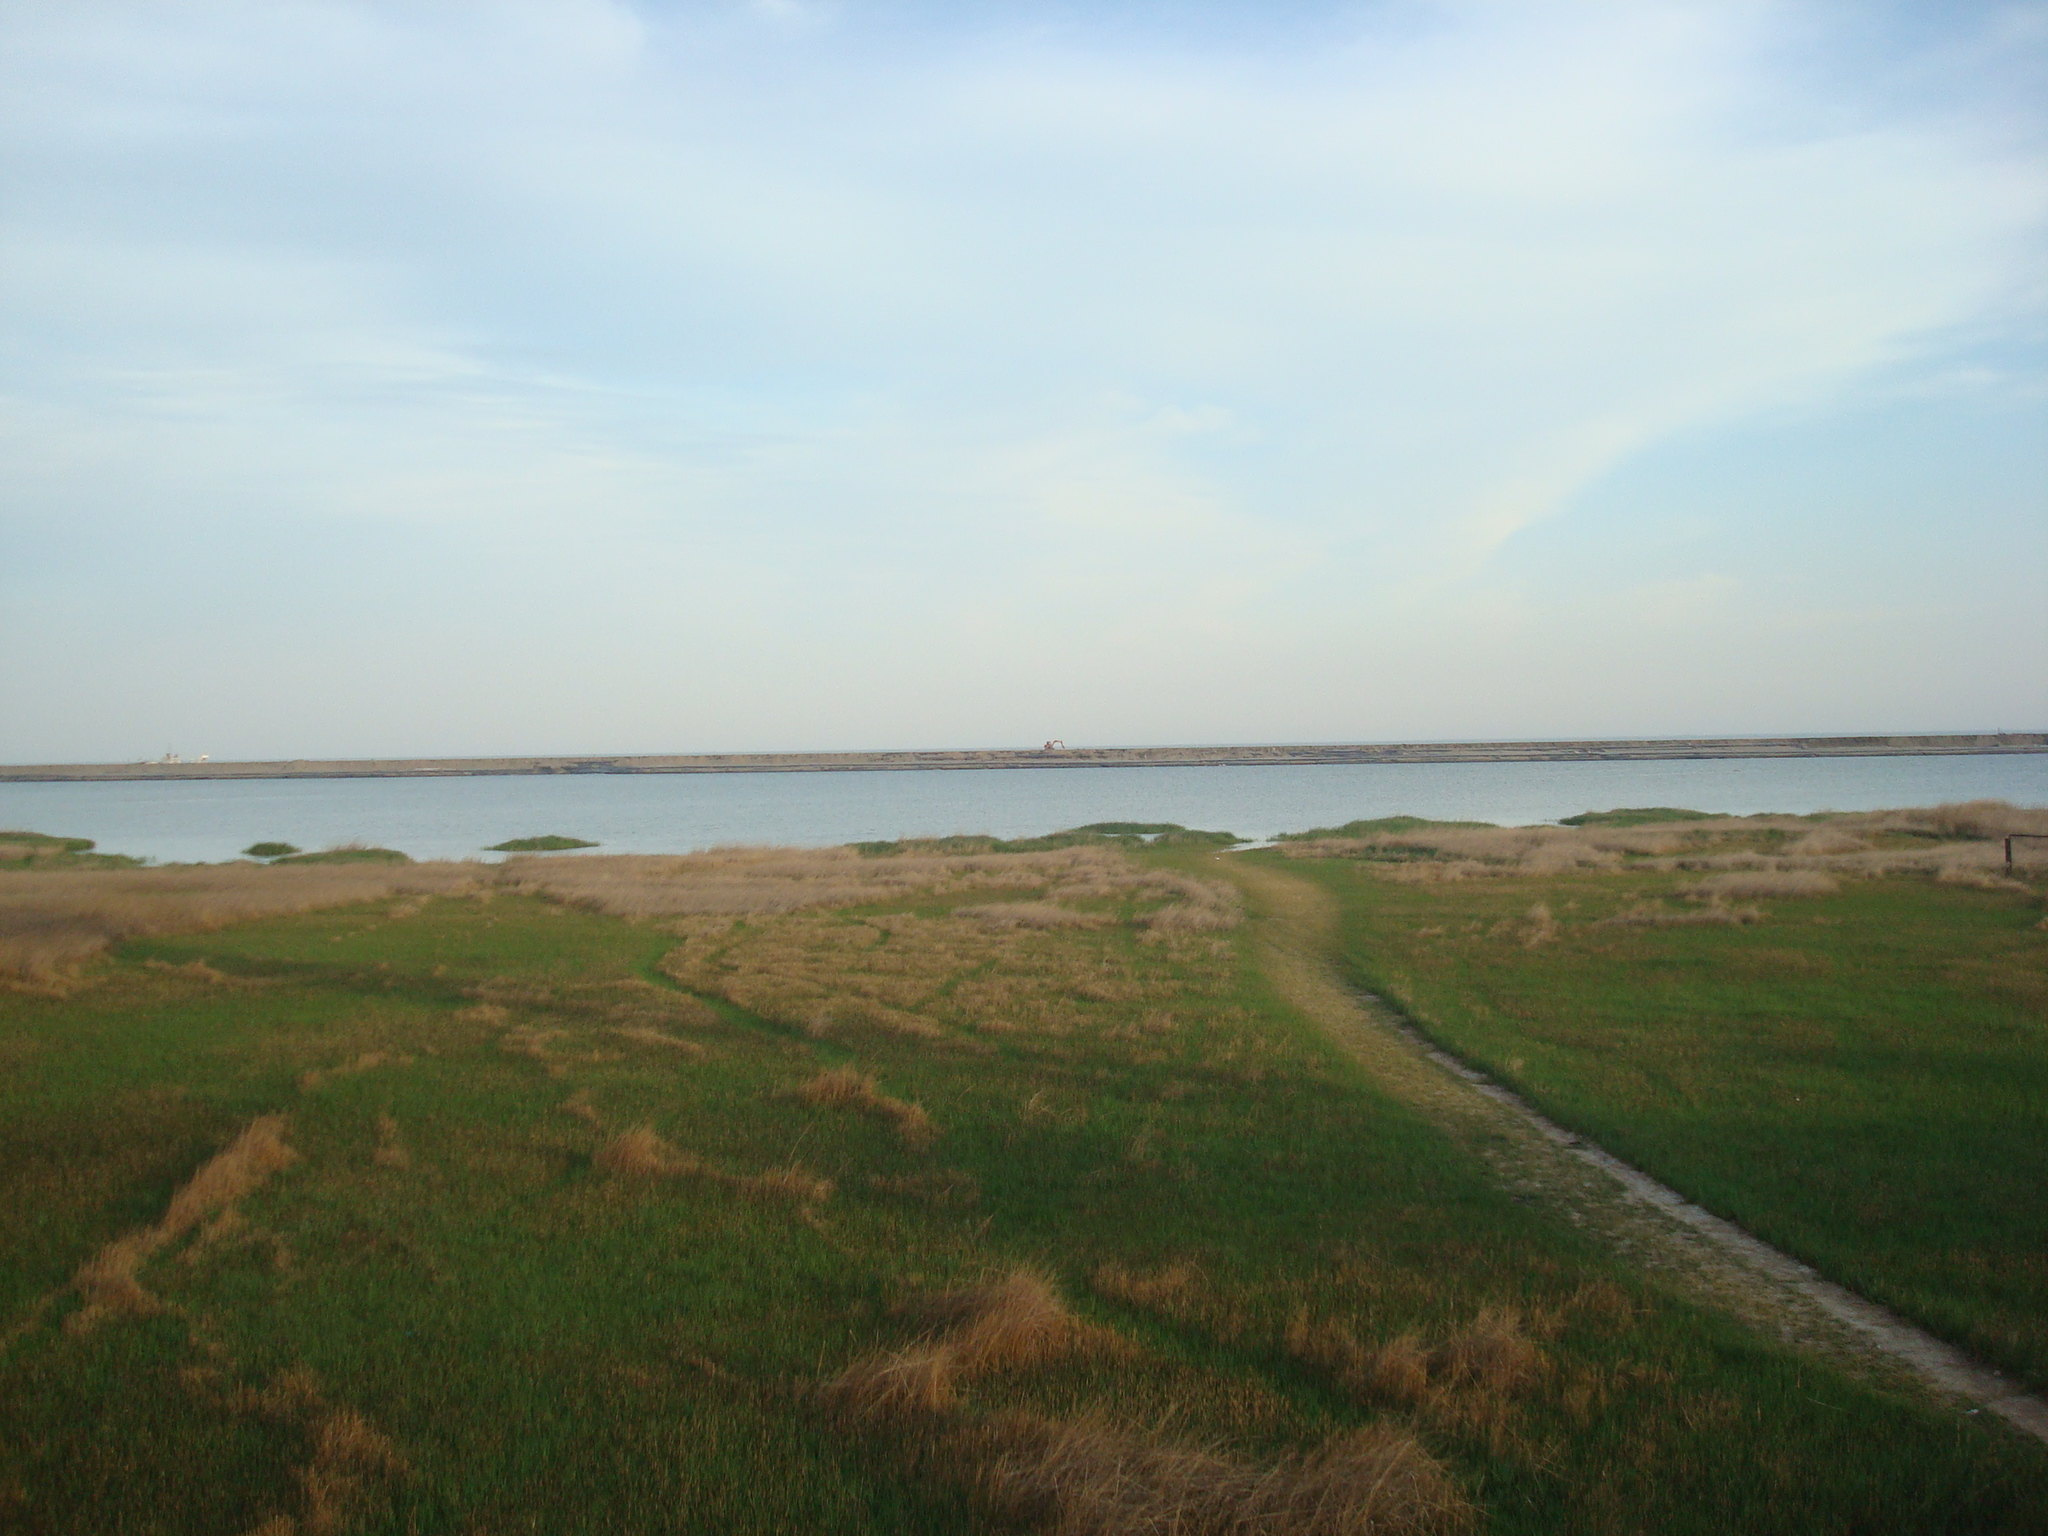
pixel 1295 924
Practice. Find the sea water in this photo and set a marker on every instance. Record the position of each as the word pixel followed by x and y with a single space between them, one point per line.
pixel 458 818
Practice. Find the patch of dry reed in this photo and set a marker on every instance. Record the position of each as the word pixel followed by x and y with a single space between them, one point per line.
pixel 1649 915
pixel 1171 1289
pixel 1464 1376
pixel 349 1465
pixel 849 1088
pixel 1084 1477
pixel 109 1282
pixel 1845 846
pixel 1740 884
pixel 1979 879
pixel 641 1153
pixel 52 920
pixel 768 880
pixel 1035 914
pixel 1015 1320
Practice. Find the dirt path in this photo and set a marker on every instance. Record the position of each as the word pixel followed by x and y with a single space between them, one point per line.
pixel 1653 1225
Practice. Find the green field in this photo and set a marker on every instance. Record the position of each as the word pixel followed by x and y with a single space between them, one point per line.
pixel 767 1193
pixel 1859 1076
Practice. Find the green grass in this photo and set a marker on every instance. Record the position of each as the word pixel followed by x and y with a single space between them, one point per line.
pixel 552 1349
pixel 1370 826
pixel 40 850
pixel 1096 834
pixel 348 855
pixel 552 842
pixel 1861 1079
pixel 1636 816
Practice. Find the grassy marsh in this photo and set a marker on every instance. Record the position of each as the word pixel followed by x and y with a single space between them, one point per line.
pixel 766 1190
pixel 1828 1029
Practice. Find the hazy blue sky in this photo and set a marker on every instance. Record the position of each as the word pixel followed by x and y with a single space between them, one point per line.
pixel 556 375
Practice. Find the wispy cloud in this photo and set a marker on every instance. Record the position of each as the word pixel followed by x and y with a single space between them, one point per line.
pixel 1219 336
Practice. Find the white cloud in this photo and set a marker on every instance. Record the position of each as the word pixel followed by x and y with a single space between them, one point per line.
pixel 1195 345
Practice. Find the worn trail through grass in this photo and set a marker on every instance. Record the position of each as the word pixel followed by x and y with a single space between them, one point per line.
pixel 1651 1222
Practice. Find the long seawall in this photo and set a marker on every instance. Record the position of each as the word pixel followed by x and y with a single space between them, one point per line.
pixel 1059 757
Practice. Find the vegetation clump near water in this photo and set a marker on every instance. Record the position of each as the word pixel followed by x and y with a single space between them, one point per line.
pixel 552 842
pixel 776 1190
pixel 1374 826
pixel 39 850
pixel 1104 834
pixel 1828 1028
pixel 348 853
pixel 270 850
pixel 1636 816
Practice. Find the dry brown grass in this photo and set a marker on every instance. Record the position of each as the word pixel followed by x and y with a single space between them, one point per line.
pixel 351 1457
pixel 1740 884
pixel 1170 1289
pixel 642 1035
pixel 1979 879
pixel 350 1462
pixel 1035 914
pixel 109 1282
pixel 764 880
pixel 1466 1377
pixel 1015 1320
pixel 642 1154
pixel 1956 843
pixel 1649 915
pixel 849 1088
pixel 1084 1477
pixel 52 920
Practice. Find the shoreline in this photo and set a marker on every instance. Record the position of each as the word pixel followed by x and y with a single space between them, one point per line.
pixel 1956 744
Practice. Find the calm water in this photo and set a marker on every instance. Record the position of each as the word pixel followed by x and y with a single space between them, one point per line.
pixel 664 813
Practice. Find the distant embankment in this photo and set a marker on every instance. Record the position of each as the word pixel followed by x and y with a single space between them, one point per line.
pixel 1061 757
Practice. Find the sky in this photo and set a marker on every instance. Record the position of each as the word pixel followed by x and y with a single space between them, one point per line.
pixel 461 377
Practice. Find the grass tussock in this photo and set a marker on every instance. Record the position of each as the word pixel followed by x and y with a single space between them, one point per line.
pixel 642 1154
pixel 109 1283
pixel 1015 1320
pixel 1084 1477
pixel 849 1088
pixel 1490 1359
